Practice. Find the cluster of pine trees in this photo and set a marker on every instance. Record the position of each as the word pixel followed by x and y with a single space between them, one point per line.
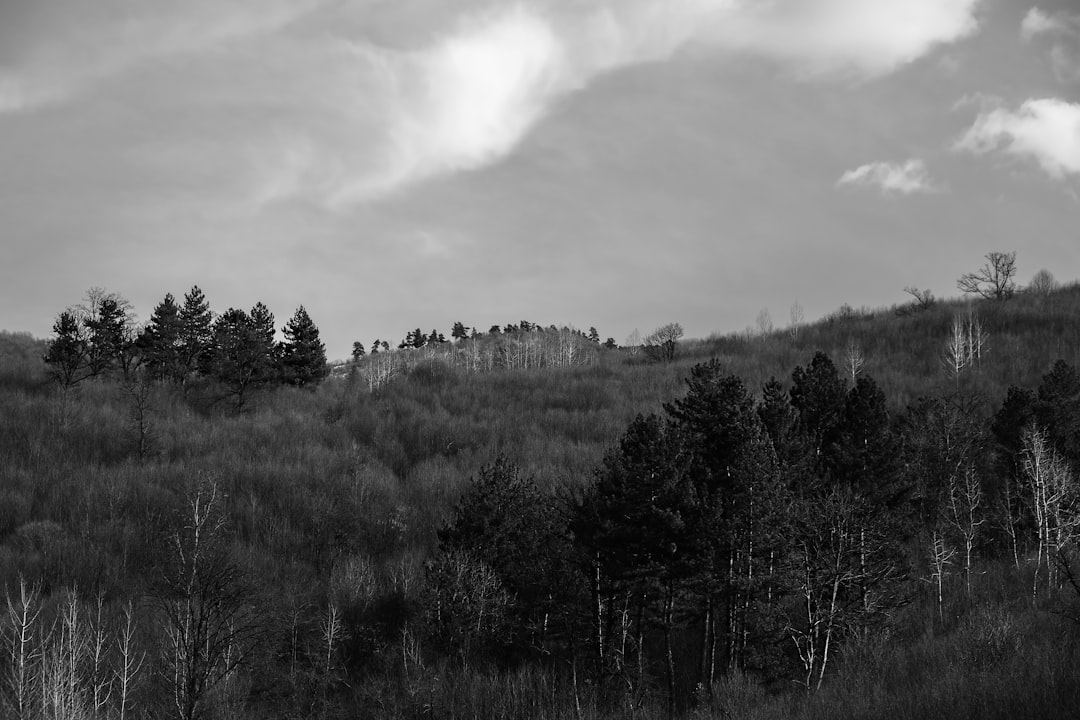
pixel 237 349
pixel 758 535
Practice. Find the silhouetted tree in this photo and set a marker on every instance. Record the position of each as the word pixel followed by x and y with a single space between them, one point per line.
pixel 994 280
pixel 303 355
pixel 196 333
pixel 161 342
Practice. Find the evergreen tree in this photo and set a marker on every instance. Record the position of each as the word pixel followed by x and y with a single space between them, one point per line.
pixel 459 331
pixel 67 351
pixel 161 342
pixel 303 355
pixel 242 359
pixel 594 335
pixel 110 341
pixel 196 333
pixel 818 396
pixel 358 350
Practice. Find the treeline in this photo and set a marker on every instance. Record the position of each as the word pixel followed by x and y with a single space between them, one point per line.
pixel 416 339
pixel 181 342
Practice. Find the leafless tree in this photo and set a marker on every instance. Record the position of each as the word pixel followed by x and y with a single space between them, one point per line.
pixel 1042 284
pixel 662 343
pixel 208 619
pixel 853 359
pixel 965 515
pixel 764 323
pixel 1053 498
pixel 633 342
pixel 994 280
pixel 955 354
pixel 796 320
pixel 130 661
pixel 922 299
pixel 941 556
pixel 23 613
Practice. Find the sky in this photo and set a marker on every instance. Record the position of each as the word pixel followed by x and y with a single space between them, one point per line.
pixel 622 164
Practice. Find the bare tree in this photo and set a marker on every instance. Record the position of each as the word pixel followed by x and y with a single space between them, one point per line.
pixel 955 355
pixel 796 320
pixel 210 625
pixel 19 648
pixel 994 280
pixel 633 342
pixel 965 515
pixel 941 556
pixel 1054 501
pixel 662 343
pixel 853 359
pixel 921 300
pixel 764 323
pixel 1043 283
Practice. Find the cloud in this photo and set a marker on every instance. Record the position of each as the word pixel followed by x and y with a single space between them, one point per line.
pixel 1045 130
pixel 358 114
pixel 1036 22
pixel 73 49
pixel 469 98
pixel 909 178
pixel 863 38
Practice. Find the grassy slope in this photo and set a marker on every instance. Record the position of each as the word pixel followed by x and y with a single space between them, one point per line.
pixel 339 472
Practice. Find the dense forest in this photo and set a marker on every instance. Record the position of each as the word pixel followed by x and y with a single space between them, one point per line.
pixel 871 515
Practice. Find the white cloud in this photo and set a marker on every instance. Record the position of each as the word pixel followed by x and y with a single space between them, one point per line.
pixel 1044 130
pixel 864 38
pixel 354 120
pixel 907 178
pixel 470 97
pixel 1036 22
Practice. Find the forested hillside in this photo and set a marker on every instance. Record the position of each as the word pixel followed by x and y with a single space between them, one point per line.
pixel 871 515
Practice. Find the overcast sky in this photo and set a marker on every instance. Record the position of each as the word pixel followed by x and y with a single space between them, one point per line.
pixel 616 163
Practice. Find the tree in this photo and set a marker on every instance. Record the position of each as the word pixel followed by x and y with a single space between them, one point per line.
pixel 208 616
pixel 796 320
pixel 994 280
pixel 1042 283
pixel 663 342
pixel 459 331
pixel 818 396
pixel 764 323
pixel 359 352
pixel 594 335
pixel 110 337
pixel 161 342
pixel 922 300
pixel 67 351
pixel 637 523
pixel 196 333
pixel 303 355
pixel 243 356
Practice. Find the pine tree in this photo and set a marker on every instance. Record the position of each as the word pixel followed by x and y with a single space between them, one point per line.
pixel 161 342
pixel 459 331
pixel 358 351
pixel 67 351
pixel 196 333
pixel 242 358
pixel 303 355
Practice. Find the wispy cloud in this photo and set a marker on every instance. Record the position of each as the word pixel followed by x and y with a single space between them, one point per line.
pixel 904 178
pixel 863 38
pixel 470 97
pixel 1044 130
pixel 1064 30
pixel 76 49
pixel 356 119
pixel 1037 22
